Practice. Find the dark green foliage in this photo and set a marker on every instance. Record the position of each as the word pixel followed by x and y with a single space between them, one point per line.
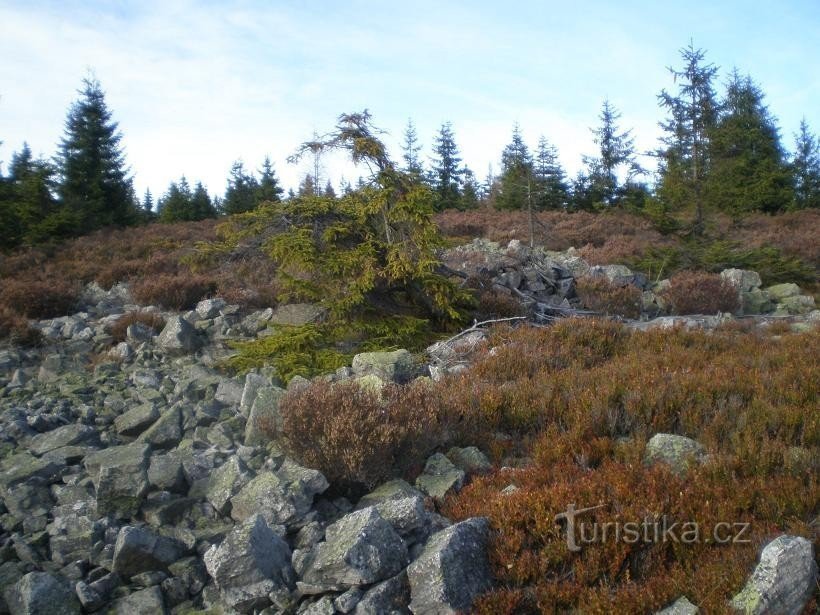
pixel 367 257
pixel 410 152
pixel 268 188
pixel 241 195
pixel 516 181
pixel 93 178
pixel 684 162
pixel 806 169
pixel 182 204
pixel 616 156
pixel 446 172
pixel 748 172
pixel 470 192
pixel 551 190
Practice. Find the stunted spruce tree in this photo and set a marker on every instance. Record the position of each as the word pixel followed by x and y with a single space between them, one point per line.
pixel 94 183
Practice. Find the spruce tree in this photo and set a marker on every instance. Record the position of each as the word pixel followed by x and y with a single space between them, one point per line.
pixel 94 181
pixel 516 179
pixel 805 167
pixel 201 206
pixel 685 158
pixel 410 152
pixel 445 172
pixel 240 195
pixel 176 203
pixel 551 190
pixel 470 192
pixel 268 189
pixel 616 155
pixel 748 170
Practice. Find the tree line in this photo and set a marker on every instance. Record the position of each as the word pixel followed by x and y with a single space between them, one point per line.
pixel 717 152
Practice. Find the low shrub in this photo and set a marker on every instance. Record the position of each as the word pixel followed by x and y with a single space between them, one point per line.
pixel 119 328
pixel 695 292
pixel 600 295
pixel 39 299
pixel 17 330
pixel 357 435
pixel 173 292
pixel 579 400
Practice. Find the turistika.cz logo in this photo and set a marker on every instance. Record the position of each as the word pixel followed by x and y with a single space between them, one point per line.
pixel 580 531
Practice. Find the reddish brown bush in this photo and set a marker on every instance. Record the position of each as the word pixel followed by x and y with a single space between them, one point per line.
pixel 355 435
pixel 120 327
pixel 580 400
pixel 600 295
pixel 695 292
pixel 39 299
pixel 16 329
pixel 173 292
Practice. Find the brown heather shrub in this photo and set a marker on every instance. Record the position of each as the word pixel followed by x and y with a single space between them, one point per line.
pixel 496 304
pixel 39 299
pixel 696 292
pixel 581 399
pixel 17 330
pixel 173 292
pixel 600 295
pixel 119 328
pixel 355 435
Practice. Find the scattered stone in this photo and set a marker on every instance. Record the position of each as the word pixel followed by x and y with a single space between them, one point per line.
pixel 136 420
pixel 225 482
pixel 148 601
pixel 138 549
pixel 68 435
pixel 676 451
pixel 251 562
pixel 783 581
pixel 452 570
pixel 359 549
pixel 210 308
pixel 263 415
pixel 396 489
pixel 178 337
pixel 120 475
pixel 440 477
pixel 390 596
pixel 681 606
pixel 40 593
pixel 397 366
pixel 469 459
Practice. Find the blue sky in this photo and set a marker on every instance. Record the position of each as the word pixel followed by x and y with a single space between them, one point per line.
pixel 196 85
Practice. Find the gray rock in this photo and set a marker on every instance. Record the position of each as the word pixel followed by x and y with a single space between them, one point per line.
pixel 264 415
pixel 681 606
pixel 210 308
pixel 797 304
pixel 229 393
pixel 67 435
pixel 148 601
pixel 253 382
pixel 178 337
pixel 440 477
pixel 40 593
pixel 120 475
pixel 744 280
pixel 251 562
pixel 283 497
pixel 469 459
pixel 390 596
pixel 396 366
pixel 225 482
pixel 136 420
pixel 71 537
pixel 96 594
pixel 405 515
pixel 783 581
pixel 24 466
pixel 778 292
pixel 138 549
pixel 346 602
pixel 396 489
pixel 452 570
pixel 296 314
pixel 676 451
pixel 166 473
pixel 359 549
pixel 166 432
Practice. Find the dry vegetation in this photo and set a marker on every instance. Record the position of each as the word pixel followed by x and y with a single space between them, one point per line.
pixel 572 406
pixel 159 262
pixel 696 292
pixel 604 297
